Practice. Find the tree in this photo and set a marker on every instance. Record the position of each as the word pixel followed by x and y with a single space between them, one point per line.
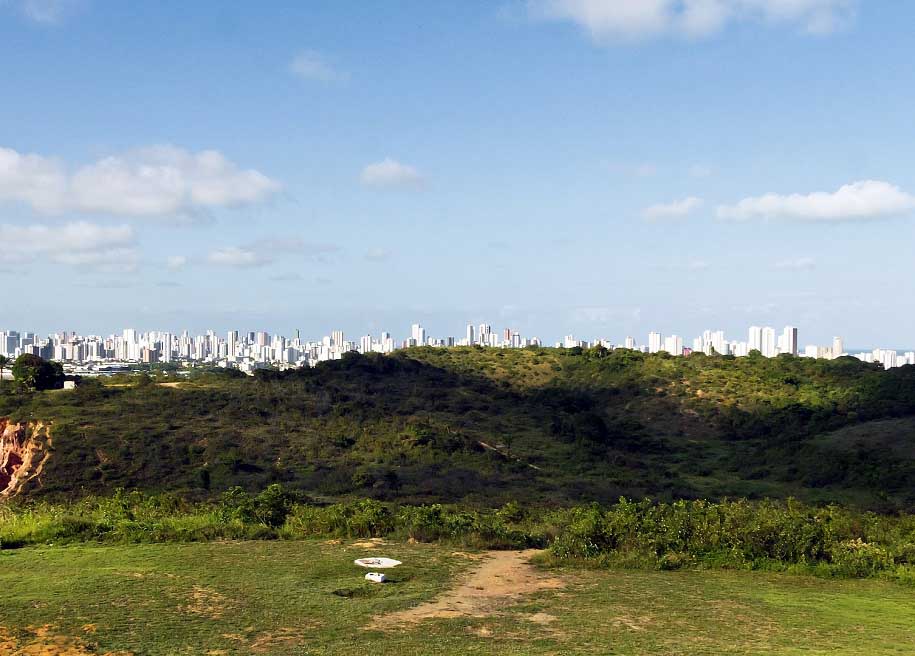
pixel 34 373
pixel 4 361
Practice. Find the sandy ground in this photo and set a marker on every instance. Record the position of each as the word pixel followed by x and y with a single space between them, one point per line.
pixel 503 577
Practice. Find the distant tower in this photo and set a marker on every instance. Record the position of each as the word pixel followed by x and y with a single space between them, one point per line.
pixel 789 340
pixel 838 347
pixel 755 342
pixel 418 334
pixel 768 342
pixel 470 335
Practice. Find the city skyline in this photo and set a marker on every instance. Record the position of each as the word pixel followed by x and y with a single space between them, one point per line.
pixel 251 350
pixel 579 167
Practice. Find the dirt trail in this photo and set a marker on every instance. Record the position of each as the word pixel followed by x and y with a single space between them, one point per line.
pixel 502 578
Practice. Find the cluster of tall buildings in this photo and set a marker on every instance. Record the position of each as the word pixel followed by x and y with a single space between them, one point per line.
pixel 766 340
pixel 245 351
pixel 248 351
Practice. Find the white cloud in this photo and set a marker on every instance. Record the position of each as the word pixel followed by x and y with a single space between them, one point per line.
pixel 234 256
pixel 295 246
pixel 266 251
pixel 310 65
pixel 377 255
pixel 115 260
pixel 391 173
pixel 32 179
pixel 867 199
pixel 676 209
pixel 175 262
pixel 626 20
pixel 45 12
pixel 607 18
pixel 154 181
pixel 286 277
pixel 796 264
pixel 80 244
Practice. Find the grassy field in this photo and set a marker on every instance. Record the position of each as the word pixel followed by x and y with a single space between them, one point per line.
pixel 306 597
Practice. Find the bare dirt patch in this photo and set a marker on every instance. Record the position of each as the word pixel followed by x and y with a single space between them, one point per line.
pixel 502 577
pixel 372 543
pixel 264 643
pixel 543 619
pixel 43 641
pixel 206 603
pixel 631 623
pixel 267 642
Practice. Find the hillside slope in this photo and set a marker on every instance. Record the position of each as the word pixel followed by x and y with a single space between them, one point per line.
pixel 484 426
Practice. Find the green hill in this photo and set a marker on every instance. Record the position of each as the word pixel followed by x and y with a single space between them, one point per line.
pixel 483 426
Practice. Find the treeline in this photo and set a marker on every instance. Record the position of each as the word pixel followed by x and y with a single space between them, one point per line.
pixel 741 534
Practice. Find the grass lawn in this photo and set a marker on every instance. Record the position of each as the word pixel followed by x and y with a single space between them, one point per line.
pixel 308 598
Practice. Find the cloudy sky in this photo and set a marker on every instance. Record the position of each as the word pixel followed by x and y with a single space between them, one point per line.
pixel 599 167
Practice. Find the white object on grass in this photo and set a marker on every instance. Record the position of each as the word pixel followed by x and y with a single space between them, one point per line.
pixel 376 577
pixel 380 563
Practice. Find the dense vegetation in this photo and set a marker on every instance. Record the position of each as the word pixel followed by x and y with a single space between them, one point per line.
pixel 483 427
pixel 826 541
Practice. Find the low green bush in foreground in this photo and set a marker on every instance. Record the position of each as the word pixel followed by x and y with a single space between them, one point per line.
pixel 770 535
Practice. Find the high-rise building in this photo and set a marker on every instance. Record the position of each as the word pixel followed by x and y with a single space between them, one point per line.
pixel 754 342
pixel 789 340
pixel 768 342
pixel 630 343
pixel 484 335
pixel 418 334
pixel 654 342
pixel 673 345
pixel 838 347
pixel 719 343
pixel 470 336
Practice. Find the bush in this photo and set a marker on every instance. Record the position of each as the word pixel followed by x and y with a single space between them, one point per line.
pixel 859 559
pixel 767 535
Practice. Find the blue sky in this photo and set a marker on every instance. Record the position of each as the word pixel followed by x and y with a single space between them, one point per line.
pixel 599 167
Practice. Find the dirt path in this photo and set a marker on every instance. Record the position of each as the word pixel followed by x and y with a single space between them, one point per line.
pixel 502 578
pixel 490 447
